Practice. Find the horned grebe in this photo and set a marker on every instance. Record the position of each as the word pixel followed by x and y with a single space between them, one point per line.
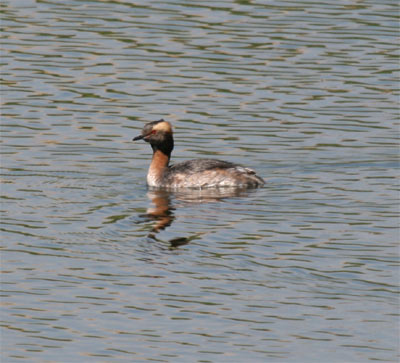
pixel 199 173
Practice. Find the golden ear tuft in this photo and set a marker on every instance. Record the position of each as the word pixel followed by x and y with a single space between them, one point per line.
pixel 163 126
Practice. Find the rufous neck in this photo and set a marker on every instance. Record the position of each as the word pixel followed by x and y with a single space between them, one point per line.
pixel 158 165
pixel 160 159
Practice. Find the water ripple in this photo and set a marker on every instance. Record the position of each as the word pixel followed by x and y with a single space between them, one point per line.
pixel 305 93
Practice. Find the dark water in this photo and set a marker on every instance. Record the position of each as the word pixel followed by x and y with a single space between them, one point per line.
pixel 96 268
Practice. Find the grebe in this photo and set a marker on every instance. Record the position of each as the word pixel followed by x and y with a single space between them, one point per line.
pixel 199 173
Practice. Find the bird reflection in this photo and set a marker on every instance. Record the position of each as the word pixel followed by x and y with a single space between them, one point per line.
pixel 164 204
pixel 161 211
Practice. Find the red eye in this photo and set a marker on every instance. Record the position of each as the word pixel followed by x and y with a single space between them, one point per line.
pixel 152 132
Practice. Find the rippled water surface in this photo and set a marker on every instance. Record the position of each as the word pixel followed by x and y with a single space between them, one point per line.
pixel 96 268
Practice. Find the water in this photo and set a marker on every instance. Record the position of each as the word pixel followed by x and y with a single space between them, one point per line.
pixel 96 268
